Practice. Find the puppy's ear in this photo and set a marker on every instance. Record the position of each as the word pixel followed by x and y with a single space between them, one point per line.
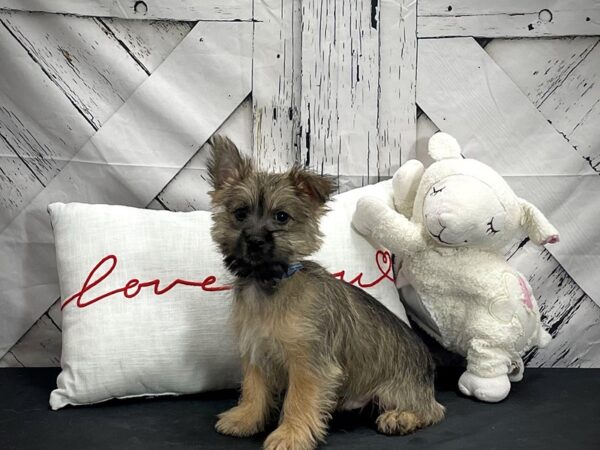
pixel 226 164
pixel 317 187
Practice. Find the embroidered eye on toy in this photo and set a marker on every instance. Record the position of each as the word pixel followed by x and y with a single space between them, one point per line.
pixel 451 222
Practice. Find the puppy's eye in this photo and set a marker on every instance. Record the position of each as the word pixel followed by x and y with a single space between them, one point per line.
pixel 282 217
pixel 240 214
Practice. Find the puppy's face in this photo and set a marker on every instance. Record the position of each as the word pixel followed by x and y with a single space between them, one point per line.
pixel 263 221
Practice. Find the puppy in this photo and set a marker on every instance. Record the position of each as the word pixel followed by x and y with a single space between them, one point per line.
pixel 324 342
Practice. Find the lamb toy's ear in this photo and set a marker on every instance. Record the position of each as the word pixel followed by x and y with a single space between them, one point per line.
pixel 535 224
pixel 443 146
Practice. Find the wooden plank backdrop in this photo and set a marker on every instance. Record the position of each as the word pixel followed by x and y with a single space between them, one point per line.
pixel 397 103
pixel 142 10
pixel 334 87
pixel 276 83
pixel 340 53
pixel 508 18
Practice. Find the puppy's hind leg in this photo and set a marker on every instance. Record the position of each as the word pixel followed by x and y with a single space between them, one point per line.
pixel 250 415
pixel 406 408
pixel 309 401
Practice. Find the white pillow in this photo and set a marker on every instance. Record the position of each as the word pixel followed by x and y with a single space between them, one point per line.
pixel 129 335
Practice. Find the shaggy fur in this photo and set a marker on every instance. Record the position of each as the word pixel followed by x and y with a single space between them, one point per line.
pixel 324 342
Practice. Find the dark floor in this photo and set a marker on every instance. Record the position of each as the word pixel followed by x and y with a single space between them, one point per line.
pixel 549 409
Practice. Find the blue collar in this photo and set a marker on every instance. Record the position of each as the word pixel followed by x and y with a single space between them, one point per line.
pixel 292 269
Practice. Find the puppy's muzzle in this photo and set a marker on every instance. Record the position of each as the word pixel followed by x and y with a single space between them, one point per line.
pixel 258 246
pixel 255 245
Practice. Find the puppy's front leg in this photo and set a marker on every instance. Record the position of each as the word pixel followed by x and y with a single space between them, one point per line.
pixel 310 398
pixel 250 415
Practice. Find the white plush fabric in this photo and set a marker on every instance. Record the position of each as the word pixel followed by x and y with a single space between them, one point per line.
pixel 462 290
pixel 137 343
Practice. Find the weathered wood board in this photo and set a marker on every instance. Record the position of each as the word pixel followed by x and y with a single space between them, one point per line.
pixel 397 107
pixel 276 83
pixel 147 9
pixel 74 55
pixel 508 18
pixel 340 54
pixel 148 42
pixel 540 66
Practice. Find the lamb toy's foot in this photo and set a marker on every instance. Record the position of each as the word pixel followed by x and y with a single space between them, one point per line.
pixel 489 390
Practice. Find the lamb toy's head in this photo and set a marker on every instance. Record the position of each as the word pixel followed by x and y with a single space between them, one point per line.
pixel 463 202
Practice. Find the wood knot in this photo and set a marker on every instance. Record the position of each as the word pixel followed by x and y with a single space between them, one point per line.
pixel 545 16
pixel 140 7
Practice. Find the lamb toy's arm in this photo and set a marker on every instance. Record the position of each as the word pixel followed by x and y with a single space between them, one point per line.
pixel 376 220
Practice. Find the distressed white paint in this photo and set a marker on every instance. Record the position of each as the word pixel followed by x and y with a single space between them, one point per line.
pixel 184 101
pixel 276 83
pixel 574 108
pixel 340 53
pixel 495 122
pixel 149 42
pixel 146 9
pixel 570 100
pixel 18 183
pixel 87 63
pixel 397 111
pixel 540 66
pixel 508 18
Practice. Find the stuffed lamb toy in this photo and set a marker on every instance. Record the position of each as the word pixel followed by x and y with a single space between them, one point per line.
pixel 451 224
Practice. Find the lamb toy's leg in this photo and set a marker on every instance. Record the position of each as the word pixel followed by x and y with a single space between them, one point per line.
pixel 486 377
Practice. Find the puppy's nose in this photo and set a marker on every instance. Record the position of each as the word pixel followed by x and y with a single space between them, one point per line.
pixel 255 244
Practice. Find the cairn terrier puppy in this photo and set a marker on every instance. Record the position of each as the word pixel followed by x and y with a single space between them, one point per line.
pixel 322 341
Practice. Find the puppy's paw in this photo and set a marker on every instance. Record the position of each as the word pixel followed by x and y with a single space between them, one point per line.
pixel 240 422
pixel 286 437
pixel 398 422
